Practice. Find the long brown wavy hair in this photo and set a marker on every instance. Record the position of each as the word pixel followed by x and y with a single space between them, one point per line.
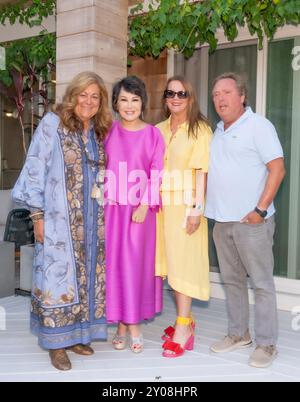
pixel 196 120
pixel 66 110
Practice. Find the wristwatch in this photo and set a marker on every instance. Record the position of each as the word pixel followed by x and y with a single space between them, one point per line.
pixel 261 213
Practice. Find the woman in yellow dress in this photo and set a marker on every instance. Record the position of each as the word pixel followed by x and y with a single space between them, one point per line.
pixel 182 232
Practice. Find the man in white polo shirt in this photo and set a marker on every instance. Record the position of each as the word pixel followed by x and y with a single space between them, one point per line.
pixel 246 170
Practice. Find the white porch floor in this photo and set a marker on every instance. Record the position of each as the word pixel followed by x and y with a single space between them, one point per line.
pixel 22 360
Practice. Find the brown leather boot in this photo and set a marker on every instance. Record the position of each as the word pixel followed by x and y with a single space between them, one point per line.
pixel 80 349
pixel 60 360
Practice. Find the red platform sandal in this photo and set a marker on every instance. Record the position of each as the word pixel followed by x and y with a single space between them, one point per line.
pixel 176 349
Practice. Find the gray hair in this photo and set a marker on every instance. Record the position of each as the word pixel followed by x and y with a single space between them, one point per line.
pixel 240 83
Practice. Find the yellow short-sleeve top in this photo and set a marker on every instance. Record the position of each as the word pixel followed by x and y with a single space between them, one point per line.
pixel 184 155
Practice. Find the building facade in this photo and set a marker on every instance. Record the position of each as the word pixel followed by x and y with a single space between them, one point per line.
pixel 93 35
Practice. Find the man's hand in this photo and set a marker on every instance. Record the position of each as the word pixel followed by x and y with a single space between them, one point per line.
pixel 252 218
pixel 140 214
pixel 192 224
pixel 39 231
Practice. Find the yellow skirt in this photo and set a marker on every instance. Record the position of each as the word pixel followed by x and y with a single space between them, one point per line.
pixel 181 257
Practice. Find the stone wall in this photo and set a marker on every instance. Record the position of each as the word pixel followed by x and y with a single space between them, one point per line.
pixel 91 35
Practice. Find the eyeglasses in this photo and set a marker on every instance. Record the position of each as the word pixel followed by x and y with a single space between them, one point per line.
pixel 169 94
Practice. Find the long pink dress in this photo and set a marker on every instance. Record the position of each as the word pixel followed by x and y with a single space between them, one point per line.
pixel 134 162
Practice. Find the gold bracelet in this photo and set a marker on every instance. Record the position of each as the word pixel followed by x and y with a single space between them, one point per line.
pixel 37 216
pixel 35 220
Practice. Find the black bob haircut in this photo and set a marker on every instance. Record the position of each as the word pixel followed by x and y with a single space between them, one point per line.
pixel 133 85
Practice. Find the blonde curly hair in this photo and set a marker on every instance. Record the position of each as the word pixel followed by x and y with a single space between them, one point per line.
pixel 66 110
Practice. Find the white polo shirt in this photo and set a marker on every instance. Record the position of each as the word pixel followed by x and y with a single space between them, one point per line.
pixel 237 172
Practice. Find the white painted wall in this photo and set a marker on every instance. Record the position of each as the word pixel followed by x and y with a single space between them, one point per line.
pixel 18 31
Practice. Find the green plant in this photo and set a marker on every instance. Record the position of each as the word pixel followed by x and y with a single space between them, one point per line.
pixel 29 62
pixel 183 25
pixel 27 12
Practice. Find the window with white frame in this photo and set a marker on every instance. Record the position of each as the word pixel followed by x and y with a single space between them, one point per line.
pixel 283 109
pixel 273 76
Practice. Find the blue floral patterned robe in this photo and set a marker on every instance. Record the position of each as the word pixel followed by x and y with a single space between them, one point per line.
pixel 68 290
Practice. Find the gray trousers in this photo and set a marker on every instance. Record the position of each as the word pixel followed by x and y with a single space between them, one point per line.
pixel 243 250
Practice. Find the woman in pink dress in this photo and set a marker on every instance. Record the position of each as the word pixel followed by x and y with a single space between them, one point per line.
pixel 135 153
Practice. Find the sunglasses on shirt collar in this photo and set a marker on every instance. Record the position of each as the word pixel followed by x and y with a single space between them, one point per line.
pixel 169 94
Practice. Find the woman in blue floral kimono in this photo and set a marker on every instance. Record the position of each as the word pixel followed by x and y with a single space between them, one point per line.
pixel 61 183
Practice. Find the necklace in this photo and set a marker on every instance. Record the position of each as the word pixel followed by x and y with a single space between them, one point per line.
pixel 96 166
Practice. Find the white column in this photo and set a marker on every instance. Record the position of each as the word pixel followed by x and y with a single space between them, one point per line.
pixel 262 79
pixel 203 94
